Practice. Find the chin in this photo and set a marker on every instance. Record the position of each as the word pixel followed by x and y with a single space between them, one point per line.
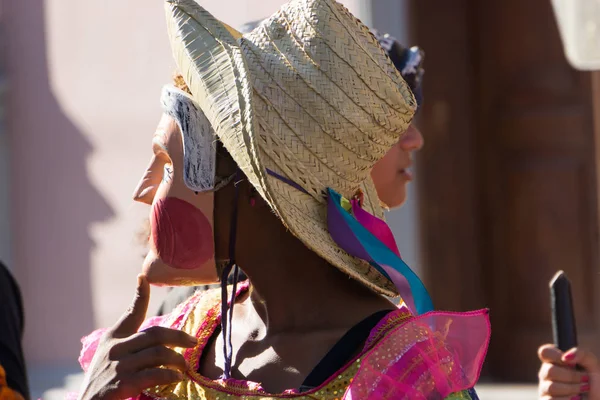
pixel 394 200
pixel 159 273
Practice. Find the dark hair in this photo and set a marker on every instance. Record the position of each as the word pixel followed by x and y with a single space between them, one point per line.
pixel 408 61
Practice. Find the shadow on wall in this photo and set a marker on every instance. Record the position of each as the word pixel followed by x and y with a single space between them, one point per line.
pixel 53 201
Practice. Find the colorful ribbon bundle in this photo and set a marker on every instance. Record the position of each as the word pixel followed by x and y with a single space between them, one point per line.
pixel 431 356
pixel 367 237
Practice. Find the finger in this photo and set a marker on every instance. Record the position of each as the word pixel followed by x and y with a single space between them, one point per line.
pixel 132 386
pixel 151 337
pixel 157 376
pixel 561 374
pixel 582 357
pixel 157 356
pixel 557 389
pixel 131 321
pixel 550 354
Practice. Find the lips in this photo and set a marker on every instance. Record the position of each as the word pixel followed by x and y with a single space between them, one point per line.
pixel 406 173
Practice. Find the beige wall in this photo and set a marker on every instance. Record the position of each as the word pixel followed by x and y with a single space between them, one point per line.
pixel 82 105
pixel 79 120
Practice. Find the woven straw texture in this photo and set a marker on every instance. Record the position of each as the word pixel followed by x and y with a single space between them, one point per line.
pixel 310 95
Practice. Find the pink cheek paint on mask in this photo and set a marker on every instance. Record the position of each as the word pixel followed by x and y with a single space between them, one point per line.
pixel 182 235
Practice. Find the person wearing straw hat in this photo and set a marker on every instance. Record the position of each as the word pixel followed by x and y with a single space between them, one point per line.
pixel 390 174
pixel 302 108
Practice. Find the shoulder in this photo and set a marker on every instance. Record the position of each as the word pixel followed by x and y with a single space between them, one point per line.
pixel 387 324
pixel 439 354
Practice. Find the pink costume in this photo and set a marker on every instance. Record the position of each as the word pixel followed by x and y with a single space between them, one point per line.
pixel 423 357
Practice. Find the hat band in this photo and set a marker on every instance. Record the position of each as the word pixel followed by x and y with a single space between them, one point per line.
pixel 286 180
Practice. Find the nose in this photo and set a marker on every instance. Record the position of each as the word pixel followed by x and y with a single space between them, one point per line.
pixel 148 185
pixel 412 140
pixel 144 192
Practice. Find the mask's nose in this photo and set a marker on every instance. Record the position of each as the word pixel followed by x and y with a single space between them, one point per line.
pixel 148 185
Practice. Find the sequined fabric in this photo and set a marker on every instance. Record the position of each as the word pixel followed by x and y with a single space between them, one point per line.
pixel 203 321
pixel 428 357
pixel 200 316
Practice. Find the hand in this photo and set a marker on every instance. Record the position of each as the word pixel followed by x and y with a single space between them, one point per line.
pixel 127 362
pixel 558 378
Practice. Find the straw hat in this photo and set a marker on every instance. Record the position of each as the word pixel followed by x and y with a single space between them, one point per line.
pixel 306 101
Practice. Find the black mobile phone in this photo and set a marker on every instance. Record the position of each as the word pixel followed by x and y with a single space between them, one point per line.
pixel 563 317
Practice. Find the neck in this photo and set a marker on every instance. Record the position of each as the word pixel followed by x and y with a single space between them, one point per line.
pixel 294 290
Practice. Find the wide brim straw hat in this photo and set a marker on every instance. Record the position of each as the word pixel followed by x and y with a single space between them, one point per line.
pixel 306 101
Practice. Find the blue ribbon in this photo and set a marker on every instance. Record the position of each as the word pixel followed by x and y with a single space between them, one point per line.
pixel 356 240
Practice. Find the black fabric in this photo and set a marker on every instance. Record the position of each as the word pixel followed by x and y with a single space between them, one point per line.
pixel 11 333
pixel 343 351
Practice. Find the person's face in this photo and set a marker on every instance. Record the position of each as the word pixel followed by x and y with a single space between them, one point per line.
pixel 391 174
pixel 181 243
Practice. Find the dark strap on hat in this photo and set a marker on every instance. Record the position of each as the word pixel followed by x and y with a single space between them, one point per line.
pixel 286 180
